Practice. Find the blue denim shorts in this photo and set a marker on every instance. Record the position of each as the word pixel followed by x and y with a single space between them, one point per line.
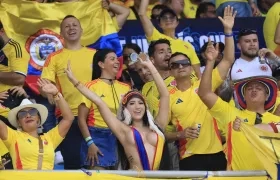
pixel 105 140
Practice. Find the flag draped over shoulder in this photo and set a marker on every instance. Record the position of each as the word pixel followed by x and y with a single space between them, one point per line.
pixel 266 145
pixel 36 26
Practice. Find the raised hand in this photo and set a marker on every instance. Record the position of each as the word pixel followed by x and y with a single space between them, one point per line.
pixel 228 19
pixel 211 52
pixel 70 74
pixel 105 4
pixel 47 87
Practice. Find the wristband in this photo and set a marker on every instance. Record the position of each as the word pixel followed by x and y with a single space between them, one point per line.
pixel 88 138
pixel 57 96
pixel 228 35
pixel 90 142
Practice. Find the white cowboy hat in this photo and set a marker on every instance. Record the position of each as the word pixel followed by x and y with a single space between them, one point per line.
pixel 12 116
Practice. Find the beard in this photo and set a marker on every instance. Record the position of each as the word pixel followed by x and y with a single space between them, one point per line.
pixel 250 55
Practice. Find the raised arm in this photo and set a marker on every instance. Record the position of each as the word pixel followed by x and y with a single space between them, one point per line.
pixel 205 92
pixel 228 59
pixel 119 11
pixel 68 117
pixel 277 34
pixel 162 116
pixel 145 20
pixel 117 127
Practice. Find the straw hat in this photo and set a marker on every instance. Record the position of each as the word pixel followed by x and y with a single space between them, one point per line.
pixel 269 82
pixel 12 116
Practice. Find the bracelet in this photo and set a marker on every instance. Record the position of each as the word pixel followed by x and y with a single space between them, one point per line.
pixel 77 84
pixel 89 142
pixel 88 138
pixel 228 35
pixel 57 96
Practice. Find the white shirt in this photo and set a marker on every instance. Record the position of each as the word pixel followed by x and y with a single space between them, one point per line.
pixel 244 69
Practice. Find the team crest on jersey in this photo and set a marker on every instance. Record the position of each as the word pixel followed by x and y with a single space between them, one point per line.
pixel 46 142
pixel 173 83
pixel 264 68
pixel 40 45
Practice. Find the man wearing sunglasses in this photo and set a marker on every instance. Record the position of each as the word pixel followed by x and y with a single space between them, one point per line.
pixel 159 53
pixel 200 147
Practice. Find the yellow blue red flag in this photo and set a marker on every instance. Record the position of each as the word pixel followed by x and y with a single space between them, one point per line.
pixel 36 26
pixel 266 145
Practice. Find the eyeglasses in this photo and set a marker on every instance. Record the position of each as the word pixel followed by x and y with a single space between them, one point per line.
pixel 183 63
pixel 31 112
pixel 166 18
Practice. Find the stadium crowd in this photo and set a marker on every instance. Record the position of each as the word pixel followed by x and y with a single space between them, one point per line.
pixel 169 109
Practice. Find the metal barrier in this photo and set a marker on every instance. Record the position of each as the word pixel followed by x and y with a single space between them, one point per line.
pixel 133 174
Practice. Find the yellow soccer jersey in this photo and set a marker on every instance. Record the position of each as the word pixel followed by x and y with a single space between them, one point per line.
pixel 110 94
pixel 270 24
pixel 3 149
pixel 81 64
pixel 11 60
pixel 187 110
pixel 238 150
pixel 24 149
pixel 151 94
pixel 190 9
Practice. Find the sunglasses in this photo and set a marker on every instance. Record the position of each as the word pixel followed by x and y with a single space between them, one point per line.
pixel 166 18
pixel 177 64
pixel 31 112
pixel 245 32
pixel 248 31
